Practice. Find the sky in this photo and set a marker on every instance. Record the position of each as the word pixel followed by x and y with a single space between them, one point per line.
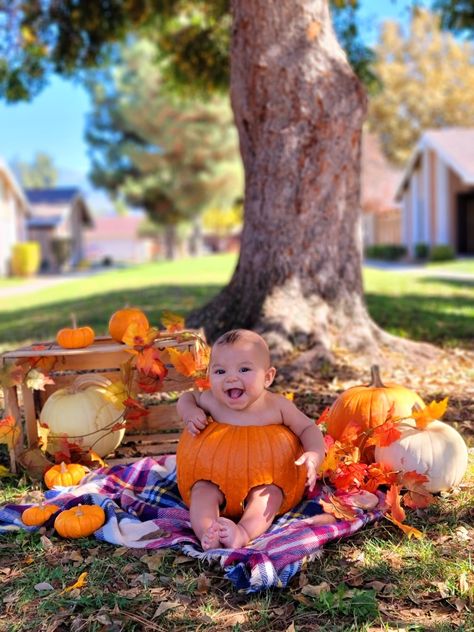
pixel 54 122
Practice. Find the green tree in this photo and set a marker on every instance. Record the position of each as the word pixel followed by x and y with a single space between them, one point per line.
pixel 427 79
pixel 172 156
pixel 40 173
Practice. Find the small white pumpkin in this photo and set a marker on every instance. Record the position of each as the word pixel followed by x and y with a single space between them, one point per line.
pixel 438 451
pixel 84 415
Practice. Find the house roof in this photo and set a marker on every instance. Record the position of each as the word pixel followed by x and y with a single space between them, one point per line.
pixel 58 202
pixel 379 178
pixel 454 145
pixel 116 227
pixel 16 188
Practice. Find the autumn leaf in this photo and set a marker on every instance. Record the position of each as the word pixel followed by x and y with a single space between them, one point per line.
pixel 379 474
pixel 202 383
pixel 417 496
pixel 183 361
pixel 351 434
pixel 203 355
pixel 10 432
pixel 323 417
pixel 137 335
pixel 149 384
pixel 172 322
pixel 149 363
pixel 393 500
pixel 384 435
pixel 134 410
pixel 407 530
pixel 116 393
pixel 336 507
pixel 11 375
pixel 80 583
pixel 36 380
pixel 332 459
pixel 434 410
pixel 349 476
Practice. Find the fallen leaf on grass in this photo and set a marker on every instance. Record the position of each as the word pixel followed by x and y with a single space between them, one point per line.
pixel 80 583
pixel 155 561
pixel 203 584
pixel 164 607
pixel 46 543
pixel 314 591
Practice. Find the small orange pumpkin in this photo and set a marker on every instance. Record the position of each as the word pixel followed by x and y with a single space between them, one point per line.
pixel 64 475
pixel 37 515
pixel 370 404
pixel 121 319
pixel 238 458
pixel 75 337
pixel 80 521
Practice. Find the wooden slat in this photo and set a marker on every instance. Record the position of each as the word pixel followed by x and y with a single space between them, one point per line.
pixel 161 417
pixel 150 439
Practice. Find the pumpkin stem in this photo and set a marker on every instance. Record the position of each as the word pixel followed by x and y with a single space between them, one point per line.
pixel 83 381
pixel 74 321
pixel 416 408
pixel 63 467
pixel 375 379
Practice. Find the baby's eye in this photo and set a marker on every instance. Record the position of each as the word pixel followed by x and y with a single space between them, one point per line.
pixel 244 369
pixel 219 372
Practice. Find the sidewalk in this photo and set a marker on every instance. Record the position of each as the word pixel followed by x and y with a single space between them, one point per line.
pixel 42 282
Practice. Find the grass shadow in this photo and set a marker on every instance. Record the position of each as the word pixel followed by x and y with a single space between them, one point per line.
pixel 42 323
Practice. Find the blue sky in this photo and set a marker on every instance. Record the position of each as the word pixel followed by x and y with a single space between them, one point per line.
pixel 54 121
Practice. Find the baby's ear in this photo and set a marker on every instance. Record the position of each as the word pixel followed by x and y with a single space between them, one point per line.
pixel 269 376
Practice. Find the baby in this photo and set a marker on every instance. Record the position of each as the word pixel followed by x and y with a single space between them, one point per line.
pixel 240 374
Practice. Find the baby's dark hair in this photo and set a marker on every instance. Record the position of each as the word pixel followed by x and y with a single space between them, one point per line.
pixel 230 337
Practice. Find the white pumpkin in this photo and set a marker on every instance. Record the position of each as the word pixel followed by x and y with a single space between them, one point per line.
pixel 84 415
pixel 438 451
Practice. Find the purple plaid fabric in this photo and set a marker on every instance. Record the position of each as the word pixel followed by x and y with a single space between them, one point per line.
pixel 144 510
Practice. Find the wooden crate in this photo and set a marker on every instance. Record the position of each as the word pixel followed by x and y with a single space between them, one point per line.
pixel 158 432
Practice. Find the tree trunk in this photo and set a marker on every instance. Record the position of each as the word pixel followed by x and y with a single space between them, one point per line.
pixel 170 238
pixel 299 110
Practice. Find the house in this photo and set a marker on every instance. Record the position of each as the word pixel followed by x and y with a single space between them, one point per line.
pixel 381 213
pixel 437 191
pixel 13 213
pixel 117 238
pixel 58 219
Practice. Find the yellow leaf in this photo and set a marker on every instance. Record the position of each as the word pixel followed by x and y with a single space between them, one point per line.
pixel 116 393
pixel 407 530
pixel 183 361
pixel 434 410
pixel 137 335
pixel 9 431
pixel 172 322
pixel 80 583
pixel 332 460
pixel 4 471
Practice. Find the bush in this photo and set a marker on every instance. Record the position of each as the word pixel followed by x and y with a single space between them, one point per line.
pixel 25 259
pixel 441 253
pixel 386 252
pixel 422 251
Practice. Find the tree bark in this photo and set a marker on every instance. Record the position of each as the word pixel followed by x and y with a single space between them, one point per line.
pixel 299 110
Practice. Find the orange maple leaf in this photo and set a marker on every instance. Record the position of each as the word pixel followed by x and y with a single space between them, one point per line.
pixel 138 335
pixel 323 417
pixel 332 460
pixel 9 431
pixel 393 500
pixel 349 476
pixel 149 363
pixel 417 496
pixel 379 474
pixel 434 410
pixel 183 361
pixel 172 322
pixel 351 434
pixel 385 434
pixel 202 383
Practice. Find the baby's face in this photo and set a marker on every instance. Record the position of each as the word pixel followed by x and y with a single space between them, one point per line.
pixel 239 374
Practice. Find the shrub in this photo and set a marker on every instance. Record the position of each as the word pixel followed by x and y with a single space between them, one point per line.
pixel 441 253
pixel 422 251
pixel 26 258
pixel 386 252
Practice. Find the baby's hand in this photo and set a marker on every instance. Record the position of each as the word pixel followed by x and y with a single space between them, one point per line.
pixel 312 461
pixel 196 421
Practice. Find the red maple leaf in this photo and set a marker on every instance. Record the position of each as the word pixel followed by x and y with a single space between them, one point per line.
pixel 393 500
pixel 149 363
pixel 385 434
pixel 323 417
pixel 349 476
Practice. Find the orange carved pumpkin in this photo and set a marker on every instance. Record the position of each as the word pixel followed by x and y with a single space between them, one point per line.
pixel 64 475
pixel 370 405
pixel 36 515
pixel 80 521
pixel 121 319
pixel 238 458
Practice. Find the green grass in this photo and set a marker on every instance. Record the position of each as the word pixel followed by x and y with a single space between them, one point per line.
pixel 421 305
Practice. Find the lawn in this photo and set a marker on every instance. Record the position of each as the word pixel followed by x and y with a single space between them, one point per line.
pixel 420 304
pixel 378 580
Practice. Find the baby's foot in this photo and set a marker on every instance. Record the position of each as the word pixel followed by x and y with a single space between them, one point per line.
pixel 362 499
pixel 231 535
pixel 210 538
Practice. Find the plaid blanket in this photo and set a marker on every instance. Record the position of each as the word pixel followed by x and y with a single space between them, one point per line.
pixel 143 509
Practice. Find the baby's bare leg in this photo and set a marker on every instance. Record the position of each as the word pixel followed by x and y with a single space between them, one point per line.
pixel 262 505
pixel 206 498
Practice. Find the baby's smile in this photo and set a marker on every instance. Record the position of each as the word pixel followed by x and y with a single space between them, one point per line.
pixel 234 393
